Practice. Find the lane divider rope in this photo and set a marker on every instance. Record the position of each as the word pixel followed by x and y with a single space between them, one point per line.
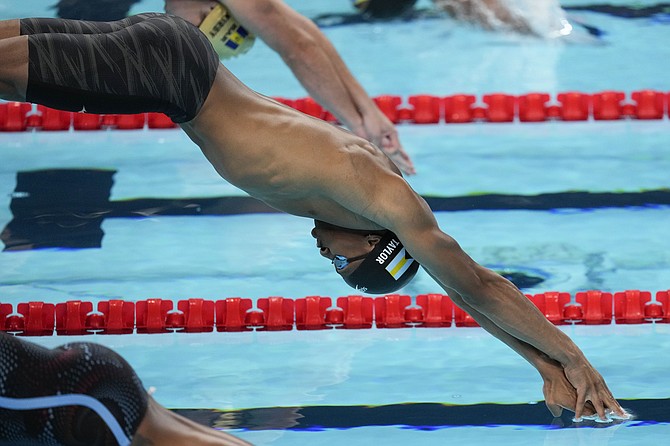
pixel 235 314
pixel 568 106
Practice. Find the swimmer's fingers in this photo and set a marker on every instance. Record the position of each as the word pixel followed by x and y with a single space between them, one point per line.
pixel 590 402
pixel 379 130
pixel 579 405
pixel 404 163
pixel 606 411
pixel 619 411
pixel 393 149
pixel 556 408
pixel 607 407
pixel 590 386
pixel 558 392
pixel 611 404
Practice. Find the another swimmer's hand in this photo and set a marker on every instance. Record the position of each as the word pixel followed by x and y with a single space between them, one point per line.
pixel 591 387
pixel 380 131
pixel 391 146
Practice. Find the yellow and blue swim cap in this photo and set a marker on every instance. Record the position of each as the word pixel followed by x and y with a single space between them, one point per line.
pixel 229 38
pixel 383 9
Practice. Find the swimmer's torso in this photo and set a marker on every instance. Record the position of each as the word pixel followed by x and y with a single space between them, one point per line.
pixel 300 165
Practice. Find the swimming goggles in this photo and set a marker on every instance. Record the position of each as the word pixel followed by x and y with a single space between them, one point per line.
pixel 341 262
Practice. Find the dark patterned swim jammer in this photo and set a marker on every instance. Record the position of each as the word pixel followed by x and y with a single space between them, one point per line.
pixel 145 63
pixel 80 394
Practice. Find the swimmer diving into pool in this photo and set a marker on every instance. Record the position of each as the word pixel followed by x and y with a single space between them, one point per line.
pixel 368 219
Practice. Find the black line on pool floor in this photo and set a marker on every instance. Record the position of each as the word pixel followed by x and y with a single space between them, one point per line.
pixel 65 208
pixel 420 416
pixel 142 207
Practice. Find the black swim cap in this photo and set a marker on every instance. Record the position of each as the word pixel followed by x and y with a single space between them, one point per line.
pixel 383 9
pixel 386 269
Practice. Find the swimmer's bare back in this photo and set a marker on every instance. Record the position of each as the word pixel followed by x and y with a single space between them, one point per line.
pixel 295 163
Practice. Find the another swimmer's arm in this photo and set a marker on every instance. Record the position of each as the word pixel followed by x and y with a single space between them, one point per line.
pixel 320 69
pixel 505 14
pixel 139 440
pixel 308 53
pixel 193 11
pixel 162 427
pixel 301 45
pixel 489 14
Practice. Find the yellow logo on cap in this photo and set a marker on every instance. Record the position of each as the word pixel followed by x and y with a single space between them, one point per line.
pixel 397 267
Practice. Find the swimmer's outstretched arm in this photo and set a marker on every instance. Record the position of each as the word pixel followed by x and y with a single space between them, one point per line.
pixel 558 392
pixel 500 308
pixel 494 301
pixel 505 312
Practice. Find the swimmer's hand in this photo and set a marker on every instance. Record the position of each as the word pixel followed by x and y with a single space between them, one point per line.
pixel 390 145
pixel 380 131
pixel 559 394
pixel 591 388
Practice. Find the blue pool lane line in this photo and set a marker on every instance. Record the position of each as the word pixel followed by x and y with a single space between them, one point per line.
pixel 420 416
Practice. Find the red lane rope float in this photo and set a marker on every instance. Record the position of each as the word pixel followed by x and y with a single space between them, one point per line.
pixel 501 107
pixel 416 109
pixel 277 313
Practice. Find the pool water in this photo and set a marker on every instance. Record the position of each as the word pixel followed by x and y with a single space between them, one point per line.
pixel 507 195
pixel 570 249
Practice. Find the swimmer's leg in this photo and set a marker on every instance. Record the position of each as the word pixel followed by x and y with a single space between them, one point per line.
pixel 9 28
pixel 66 26
pixel 23 27
pixel 14 50
pixel 14 66
pixel 160 63
pixel 14 54
pixel 152 63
